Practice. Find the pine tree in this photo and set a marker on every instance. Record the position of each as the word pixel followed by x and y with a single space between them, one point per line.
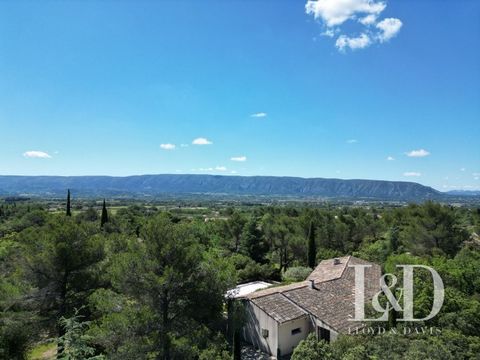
pixel 59 262
pixel 252 243
pixel 312 248
pixel 104 218
pixel 69 212
pixel 75 343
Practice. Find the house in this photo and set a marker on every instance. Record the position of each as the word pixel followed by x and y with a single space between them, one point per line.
pixel 278 318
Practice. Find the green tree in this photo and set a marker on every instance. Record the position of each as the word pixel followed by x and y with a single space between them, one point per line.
pixel 312 349
pixel 104 218
pixel 235 224
pixel 123 326
pixel 69 212
pixel 16 333
pixel 431 227
pixel 394 239
pixel 167 274
pixel 283 232
pixel 74 344
pixel 296 273
pixel 60 260
pixel 252 242
pixel 237 345
pixel 312 247
pixel 236 321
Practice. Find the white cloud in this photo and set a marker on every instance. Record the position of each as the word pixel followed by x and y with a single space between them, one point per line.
pixel 390 158
pixel 336 12
pixel 368 20
pixel 238 158
pixel 353 43
pixel 233 172
pixel 168 146
pixel 201 141
pixel 388 28
pixel 36 154
pixel 463 169
pixel 329 32
pixel 352 141
pixel 332 14
pixel 211 169
pixel 259 115
pixel 418 153
pixel 203 169
pixel 412 173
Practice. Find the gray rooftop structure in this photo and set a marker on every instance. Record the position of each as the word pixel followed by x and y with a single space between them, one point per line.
pixel 330 299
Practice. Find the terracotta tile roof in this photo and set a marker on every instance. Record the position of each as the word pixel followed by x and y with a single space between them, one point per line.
pixel 332 299
pixel 327 270
pixel 279 307
pixel 277 289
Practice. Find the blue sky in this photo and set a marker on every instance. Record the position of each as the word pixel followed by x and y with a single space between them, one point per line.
pixel 90 88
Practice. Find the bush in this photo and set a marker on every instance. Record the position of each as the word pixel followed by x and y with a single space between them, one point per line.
pixel 14 339
pixel 312 349
pixel 298 273
pixel 249 270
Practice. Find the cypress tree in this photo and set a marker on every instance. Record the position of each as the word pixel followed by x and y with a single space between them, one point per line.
pixel 312 248
pixel 392 314
pixel 392 318
pixel 69 212
pixel 104 218
pixel 230 320
pixel 237 345
pixel 236 320
pixel 394 239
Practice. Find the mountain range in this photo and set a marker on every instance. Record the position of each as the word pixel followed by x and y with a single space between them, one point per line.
pixel 464 192
pixel 176 184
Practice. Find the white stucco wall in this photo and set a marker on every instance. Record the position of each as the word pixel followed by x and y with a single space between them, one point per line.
pixel 286 341
pixel 279 335
pixel 257 320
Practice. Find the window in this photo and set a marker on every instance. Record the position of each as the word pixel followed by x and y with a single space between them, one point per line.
pixel 265 333
pixel 296 331
pixel 324 334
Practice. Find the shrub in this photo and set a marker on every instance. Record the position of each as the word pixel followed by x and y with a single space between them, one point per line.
pixel 312 349
pixel 298 273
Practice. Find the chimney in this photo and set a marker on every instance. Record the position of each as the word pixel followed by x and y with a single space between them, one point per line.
pixel 312 284
pixel 336 261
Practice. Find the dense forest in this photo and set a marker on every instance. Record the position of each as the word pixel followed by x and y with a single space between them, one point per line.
pixel 141 281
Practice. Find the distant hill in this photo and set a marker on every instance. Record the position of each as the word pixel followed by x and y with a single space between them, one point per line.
pixel 464 192
pixel 157 185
